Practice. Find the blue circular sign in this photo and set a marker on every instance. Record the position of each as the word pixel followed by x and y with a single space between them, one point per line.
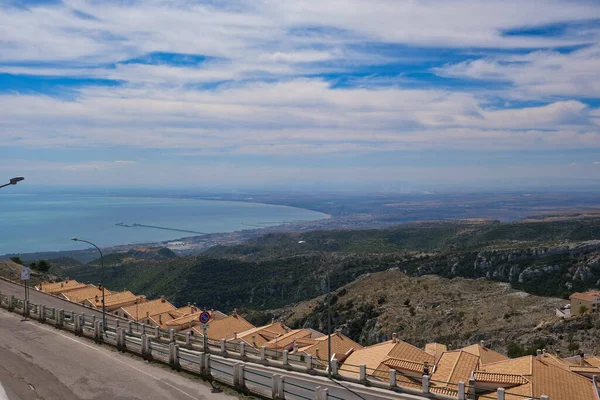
pixel 204 317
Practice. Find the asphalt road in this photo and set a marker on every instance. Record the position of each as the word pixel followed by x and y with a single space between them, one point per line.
pixel 40 362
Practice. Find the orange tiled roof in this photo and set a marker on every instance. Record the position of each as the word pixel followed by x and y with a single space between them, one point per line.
pixel 259 336
pixel 113 299
pixel 435 349
pixel 185 319
pixel 340 344
pixel 396 363
pixel 486 356
pixel 592 295
pixel 455 366
pixel 481 376
pixel 287 339
pixel 148 308
pixel 78 295
pixel 62 286
pixel 374 356
pixel 226 327
pixel 544 378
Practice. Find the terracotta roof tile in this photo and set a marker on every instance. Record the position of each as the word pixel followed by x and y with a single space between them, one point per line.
pixel 78 295
pixel 62 286
pixel 147 308
pixel 259 336
pixel 113 299
pixel 340 345
pixel 490 377
pixel 486 356
pixel 226 327
pixel 454 366
pixel 592 295
pixel 435 349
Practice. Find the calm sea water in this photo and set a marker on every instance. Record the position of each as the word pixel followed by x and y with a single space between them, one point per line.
pixel 30 223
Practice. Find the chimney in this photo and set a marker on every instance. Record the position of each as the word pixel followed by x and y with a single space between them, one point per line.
pixel 582 358
pixel 235 312
pixel 557 353
pixel 317 353
pixel 425 368
pixel 539 353
pixel 235 335
pixel 160 319
pixel 394 337
pixel 162 299
pixel 544 353
pixel 482 343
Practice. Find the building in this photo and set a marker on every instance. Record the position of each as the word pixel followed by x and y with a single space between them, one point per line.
pixel 258 337
pixel 141 311
pixel 436 349
pixel 341 347
pixel 113 301
pixel 589 300
pixel 288 340
pixel 533 377
pixel 79 295
pixel 57 287
pixel 408 361
pixel 224 328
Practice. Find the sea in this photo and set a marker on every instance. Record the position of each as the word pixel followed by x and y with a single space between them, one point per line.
pixel 47 222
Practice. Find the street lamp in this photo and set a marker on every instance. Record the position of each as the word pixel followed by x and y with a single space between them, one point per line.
pixel 328 315
pixel 101 278
pixel 13 181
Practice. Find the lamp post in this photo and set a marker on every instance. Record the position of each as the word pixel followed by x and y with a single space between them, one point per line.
pixel 328 315
pixel 101 278
pixel 13 181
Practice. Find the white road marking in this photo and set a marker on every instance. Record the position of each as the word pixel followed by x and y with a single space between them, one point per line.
pixel 105 354
pixel 3 395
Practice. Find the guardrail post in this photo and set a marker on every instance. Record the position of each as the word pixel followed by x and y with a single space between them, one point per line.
pixel 60 318
pixel 309 362
pixel 171 335
pixel 156 332
pixel 188 339
pixel 242 349
pixel 98 331
pixel 25 308
pixel 93 319
pixel 281 390
pixel 425 383
pixel 263 354
pixel 461 390
pixel 206 370
pixel 130 327
pixel 392 378
pixel 174 355
pixel 334 368
pixel 117 323
pixel 42 312
pixel 362 372
pixel 239 379
pixel 11 302
pixel 286 359
pixel 275 386
pixel 543 397
pixel 325 394
pixel 78 324
pixel 471 388
pixel 501 394
pixel 145 349
pixel 223 347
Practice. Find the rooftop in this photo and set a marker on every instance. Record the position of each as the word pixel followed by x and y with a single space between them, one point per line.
pixel 114 299
pixel 340 345
pixel 287 339
pixel 453 367
pixel 592 295
pixel 148 308
pixel 58 287
pixel 486 356
pixel 435 349
pixel 259 336
pixel 78 295
pixel 225 327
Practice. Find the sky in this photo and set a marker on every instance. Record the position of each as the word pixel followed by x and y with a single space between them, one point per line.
pixel 306 94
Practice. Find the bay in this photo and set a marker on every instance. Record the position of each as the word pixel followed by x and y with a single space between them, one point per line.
pixel 47 222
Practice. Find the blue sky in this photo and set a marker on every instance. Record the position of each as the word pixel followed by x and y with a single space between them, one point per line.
pixel 377 94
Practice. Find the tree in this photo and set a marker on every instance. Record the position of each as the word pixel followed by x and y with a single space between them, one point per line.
pixel 573 347
pixel 16 260
pixel 42 266
pixel 582 309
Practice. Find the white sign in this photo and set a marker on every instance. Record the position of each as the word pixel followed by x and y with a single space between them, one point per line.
pixel 25 273
pixel 204 326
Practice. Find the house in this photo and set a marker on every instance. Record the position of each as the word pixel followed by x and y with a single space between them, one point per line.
pixel 258 337
pixel 588 301
pixel 225 327
pixel 78 295
pixel 435 349
pixel 287 341
pixel 486 356
pixel 341 347
pixel 141 311
pixel 114 301
pixel 406 359
pixel 57 287
pixel 532 377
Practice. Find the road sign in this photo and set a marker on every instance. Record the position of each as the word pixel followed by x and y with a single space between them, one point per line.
pixel 25 273
pixel 204 326
pixel 204 317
